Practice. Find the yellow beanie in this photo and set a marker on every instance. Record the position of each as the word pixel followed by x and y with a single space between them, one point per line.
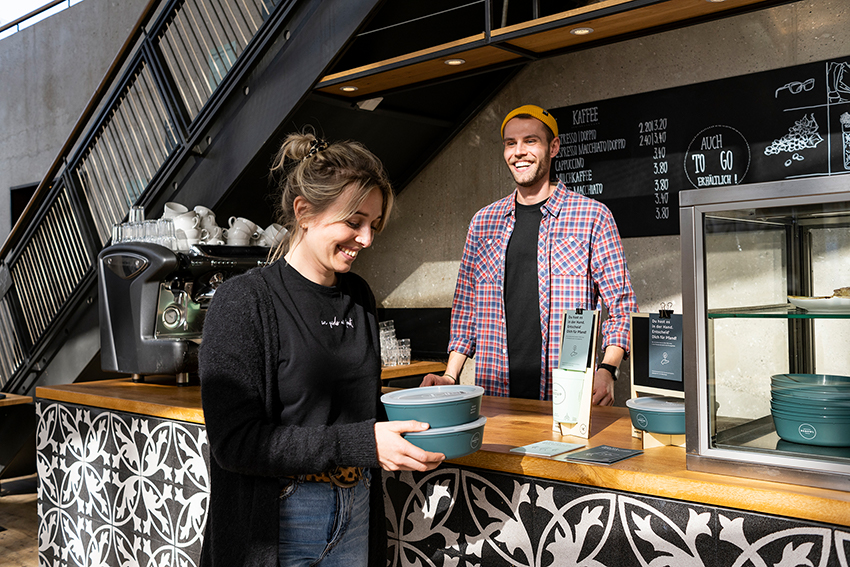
pixel 536 112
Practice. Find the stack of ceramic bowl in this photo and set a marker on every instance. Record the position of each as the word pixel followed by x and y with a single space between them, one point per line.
pixel 813 409
pixel 452 412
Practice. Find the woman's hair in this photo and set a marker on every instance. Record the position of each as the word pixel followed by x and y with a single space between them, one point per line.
pixel 320 173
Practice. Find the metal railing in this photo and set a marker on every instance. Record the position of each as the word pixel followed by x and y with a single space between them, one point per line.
pixel 156 91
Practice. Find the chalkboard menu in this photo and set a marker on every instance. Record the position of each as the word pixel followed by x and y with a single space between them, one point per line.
pixel 636 153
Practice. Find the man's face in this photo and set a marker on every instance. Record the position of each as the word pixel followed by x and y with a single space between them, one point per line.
pixel 526 152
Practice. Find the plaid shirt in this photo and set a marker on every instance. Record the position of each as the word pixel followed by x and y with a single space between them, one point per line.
pixel 580 260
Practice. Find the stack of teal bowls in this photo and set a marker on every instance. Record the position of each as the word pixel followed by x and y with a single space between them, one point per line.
pixel 453 412
pixel 812 409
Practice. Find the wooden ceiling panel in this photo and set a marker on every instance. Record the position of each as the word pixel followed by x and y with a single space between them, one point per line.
pixel 417 72
pixel 613 25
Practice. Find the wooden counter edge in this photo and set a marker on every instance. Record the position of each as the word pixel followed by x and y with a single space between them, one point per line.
pixel 150 409
pixel 707 492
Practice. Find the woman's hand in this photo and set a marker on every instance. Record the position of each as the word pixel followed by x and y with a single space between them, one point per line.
pixel 395 453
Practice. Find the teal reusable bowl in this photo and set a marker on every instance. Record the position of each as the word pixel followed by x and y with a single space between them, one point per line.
pixel 812 431
pixel 438 406
pixel 453 442
pixel 810 415
pixel 809 400
pixel 658 414
pixel 813 380
pixel 826 411
pixel 812 393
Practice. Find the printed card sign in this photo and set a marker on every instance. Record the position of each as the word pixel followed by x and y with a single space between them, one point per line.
pixel 665 347
pixel 576 339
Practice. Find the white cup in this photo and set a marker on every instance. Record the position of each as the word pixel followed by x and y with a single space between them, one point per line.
pixel 173 209
pixel 242 223
pixel 207 217
pixel 203 211
pixel 275 233
pixel 236 237
pixel 186 221
pixel 212 233
pixel 188 234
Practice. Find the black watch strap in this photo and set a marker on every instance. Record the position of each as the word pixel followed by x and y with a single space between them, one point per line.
pixel 610 368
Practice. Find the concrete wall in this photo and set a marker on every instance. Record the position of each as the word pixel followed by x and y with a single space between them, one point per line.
pixel 414 263
pixel 48 73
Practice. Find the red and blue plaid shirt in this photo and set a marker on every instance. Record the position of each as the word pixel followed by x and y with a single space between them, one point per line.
pixel 580 260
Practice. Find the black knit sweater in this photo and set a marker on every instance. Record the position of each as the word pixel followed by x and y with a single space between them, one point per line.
pixel 240 358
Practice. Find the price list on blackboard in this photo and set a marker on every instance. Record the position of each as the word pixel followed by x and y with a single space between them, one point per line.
pixel 609 154
pixel 653 134
pixel 636 153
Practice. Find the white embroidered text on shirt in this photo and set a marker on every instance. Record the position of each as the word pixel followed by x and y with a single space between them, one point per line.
pixel 336 323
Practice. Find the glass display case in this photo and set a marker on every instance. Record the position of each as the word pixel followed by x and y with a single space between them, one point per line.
pixel 763 270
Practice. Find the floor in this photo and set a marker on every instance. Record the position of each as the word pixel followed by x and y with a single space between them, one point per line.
pixel 19 522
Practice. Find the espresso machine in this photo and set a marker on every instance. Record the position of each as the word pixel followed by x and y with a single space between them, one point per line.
pixel 153 302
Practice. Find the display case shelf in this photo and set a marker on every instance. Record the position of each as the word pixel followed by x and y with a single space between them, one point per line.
pixel 773 312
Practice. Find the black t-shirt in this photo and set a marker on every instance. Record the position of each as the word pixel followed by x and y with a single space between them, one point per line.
pixel 329 366
pixel 522 304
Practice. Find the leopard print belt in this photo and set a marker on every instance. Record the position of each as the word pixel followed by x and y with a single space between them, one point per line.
pixel 343 477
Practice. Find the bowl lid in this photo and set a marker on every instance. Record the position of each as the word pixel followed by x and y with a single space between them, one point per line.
pixel 447 430
pixel 666 404
pixel 432 395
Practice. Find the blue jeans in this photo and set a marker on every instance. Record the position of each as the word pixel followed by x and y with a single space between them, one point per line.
pixel 323 524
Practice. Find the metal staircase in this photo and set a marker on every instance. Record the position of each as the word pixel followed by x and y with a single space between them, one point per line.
pixel 199 87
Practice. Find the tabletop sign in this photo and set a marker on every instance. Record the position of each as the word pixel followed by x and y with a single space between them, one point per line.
pixel 636 153
pixel 576 335
pixel 572 381
pixel 665 347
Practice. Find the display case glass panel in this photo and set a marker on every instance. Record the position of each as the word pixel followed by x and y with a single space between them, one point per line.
pixel 763 265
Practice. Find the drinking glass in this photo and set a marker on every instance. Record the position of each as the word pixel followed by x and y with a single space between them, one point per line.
pixel 137 214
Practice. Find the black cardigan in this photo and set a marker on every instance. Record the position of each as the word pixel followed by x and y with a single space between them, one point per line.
pixel 249 449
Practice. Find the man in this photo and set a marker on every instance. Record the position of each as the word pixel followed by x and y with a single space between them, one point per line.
pixel 529 258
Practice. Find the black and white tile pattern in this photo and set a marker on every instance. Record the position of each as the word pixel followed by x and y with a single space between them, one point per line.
pixel 454 517
pixel 119 489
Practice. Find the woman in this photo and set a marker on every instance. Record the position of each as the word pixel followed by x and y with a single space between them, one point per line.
pixel 290 379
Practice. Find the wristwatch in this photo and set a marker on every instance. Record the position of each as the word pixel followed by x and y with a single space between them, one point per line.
pixel 610 368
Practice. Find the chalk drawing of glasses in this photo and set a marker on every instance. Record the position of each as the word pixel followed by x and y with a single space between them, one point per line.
pixel 796 87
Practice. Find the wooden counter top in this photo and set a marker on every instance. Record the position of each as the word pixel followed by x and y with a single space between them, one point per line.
pixel 14 399
pixel 157 396
pixel 415 368
pixel 659 471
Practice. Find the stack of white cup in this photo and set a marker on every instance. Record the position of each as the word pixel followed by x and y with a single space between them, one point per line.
pixel 198 226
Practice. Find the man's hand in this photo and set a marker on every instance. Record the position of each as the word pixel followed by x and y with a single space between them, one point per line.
pixel 395 453
pixel 435 380
pixel 603 388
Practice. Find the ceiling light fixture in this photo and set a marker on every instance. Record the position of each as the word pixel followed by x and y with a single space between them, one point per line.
pixel 455 62
pixel 581 31
pixel 348 88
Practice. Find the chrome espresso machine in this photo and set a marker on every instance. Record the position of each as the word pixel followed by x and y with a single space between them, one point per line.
pixel 153 302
